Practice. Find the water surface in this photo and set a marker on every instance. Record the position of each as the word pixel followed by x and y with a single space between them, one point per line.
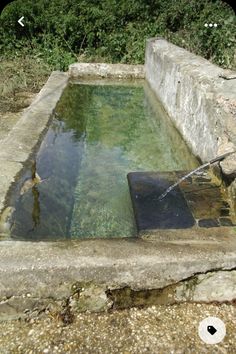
pixel 98 134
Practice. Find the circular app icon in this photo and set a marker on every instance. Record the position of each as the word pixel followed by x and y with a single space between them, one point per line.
pixel 211 330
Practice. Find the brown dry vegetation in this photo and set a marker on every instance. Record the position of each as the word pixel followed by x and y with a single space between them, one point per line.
pixel 21 78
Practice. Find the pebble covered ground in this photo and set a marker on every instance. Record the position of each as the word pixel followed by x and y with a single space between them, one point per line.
pixel 156 329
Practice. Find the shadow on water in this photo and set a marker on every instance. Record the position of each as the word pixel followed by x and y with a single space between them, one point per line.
pixel 44 211
pixel 36 208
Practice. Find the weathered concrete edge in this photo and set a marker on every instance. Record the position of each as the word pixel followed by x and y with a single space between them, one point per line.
pixel 197 96
pixel 16 148
pixel 104 70
pixel 50 270
pixel 90 296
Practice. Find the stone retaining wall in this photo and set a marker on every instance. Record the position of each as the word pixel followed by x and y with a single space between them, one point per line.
pixel 199 97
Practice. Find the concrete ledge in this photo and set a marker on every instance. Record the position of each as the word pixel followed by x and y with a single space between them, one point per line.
pixel 52 270
pixel 102 70
pixel 17 146
pixel 199 97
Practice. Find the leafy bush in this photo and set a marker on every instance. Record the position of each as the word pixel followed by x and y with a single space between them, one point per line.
pixel 63 31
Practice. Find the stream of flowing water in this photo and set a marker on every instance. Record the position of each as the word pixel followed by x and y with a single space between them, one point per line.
pixel 169 189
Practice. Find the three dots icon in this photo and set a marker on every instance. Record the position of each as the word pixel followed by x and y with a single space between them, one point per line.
pixel 211 25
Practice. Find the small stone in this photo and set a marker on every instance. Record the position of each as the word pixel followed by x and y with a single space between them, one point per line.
pixel 208 223
pixel 225 222
pixel 31 332
pixel 224 212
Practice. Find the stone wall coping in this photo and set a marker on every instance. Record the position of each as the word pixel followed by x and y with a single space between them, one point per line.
pixel 104 70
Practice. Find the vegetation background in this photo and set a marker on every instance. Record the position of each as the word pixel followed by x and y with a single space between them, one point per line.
pixel 60 32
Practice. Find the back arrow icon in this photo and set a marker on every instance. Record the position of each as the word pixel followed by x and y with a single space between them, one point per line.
pixel 20 21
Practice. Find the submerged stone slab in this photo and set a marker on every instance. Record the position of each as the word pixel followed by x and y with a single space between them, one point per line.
pixel 152 213
pixel 198 201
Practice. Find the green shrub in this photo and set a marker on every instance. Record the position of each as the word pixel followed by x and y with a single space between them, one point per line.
pixel 63 31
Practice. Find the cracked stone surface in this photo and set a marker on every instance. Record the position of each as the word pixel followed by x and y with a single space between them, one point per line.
pixel 48 270
pixel 213 286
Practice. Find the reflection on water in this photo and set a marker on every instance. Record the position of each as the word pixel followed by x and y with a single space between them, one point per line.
pixel 98 135
pixel 44 211
pixel 36 208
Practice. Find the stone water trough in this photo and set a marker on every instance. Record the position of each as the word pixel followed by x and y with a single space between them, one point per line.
pixel 193 259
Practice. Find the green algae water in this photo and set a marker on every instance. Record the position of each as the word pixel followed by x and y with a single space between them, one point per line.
pixel 99 133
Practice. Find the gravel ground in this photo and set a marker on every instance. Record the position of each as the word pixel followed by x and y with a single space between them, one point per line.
pixel 157 329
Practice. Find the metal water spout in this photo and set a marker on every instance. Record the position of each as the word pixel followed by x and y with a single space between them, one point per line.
pixel 218 158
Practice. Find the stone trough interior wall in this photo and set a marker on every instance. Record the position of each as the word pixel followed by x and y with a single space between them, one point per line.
pixel 199 97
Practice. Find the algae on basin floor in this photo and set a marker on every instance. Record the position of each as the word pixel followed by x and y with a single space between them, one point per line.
pixel 123 134
pixel 99 134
